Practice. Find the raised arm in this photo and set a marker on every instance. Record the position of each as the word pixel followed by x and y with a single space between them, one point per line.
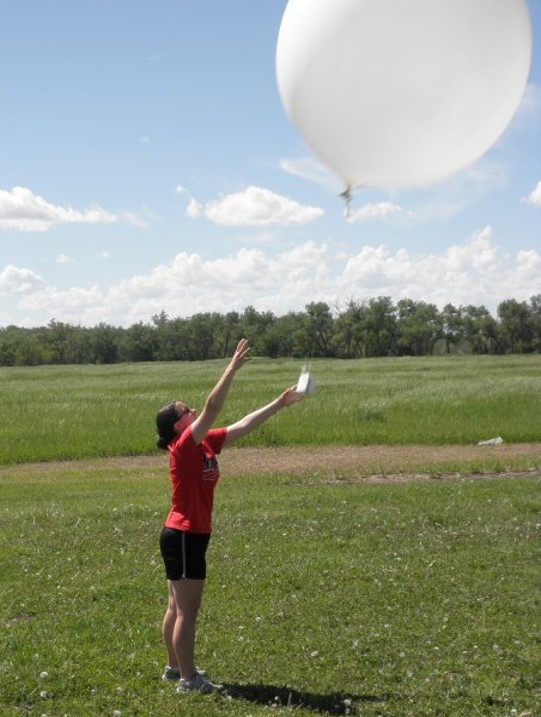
pixel 259 416
pixel 216 398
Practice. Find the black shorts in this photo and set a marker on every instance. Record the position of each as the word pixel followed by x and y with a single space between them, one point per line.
pixel 184 554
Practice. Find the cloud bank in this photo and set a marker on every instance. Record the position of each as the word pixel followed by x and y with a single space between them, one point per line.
pixel 475 272
pixel 22 210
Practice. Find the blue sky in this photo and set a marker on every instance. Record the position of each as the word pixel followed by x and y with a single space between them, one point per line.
pixel 147 164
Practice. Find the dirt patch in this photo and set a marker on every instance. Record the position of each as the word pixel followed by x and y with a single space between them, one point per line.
pixel 337 463
pixel 379 463
pixel 367 460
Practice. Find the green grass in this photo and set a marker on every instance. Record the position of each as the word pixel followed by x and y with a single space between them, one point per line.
pixel 412 599
pixel 398 600
pixel 58 412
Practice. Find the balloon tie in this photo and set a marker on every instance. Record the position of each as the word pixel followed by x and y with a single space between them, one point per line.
pixel 347 196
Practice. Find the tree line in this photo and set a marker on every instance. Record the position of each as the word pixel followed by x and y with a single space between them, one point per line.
pixel 360 329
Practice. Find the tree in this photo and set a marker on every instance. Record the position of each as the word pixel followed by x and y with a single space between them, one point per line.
pixel 535 317
pixel 371 327
pixel 56 340
pixel 254 325
pixel 28 348
pixel 104 343
pixel 349 330
pixel 380 327
pixel 320 329
pixel 7 347
pixel 516 326
pixel 480 329
pixel 287 337
pixel 231 335
pixel 419 327
pixel 201 345
pixel 452 326
pixel 137 343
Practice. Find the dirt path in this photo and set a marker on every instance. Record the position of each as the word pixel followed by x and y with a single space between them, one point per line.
pixel 333 463
pixel 372 462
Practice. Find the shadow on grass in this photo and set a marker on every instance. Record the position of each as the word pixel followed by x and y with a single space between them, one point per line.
pixel 270 695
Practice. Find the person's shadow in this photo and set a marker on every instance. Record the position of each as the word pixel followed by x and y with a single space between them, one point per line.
pixel 267 695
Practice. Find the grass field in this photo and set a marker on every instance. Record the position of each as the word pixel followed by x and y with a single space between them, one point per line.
pixel 326 594
pixel 59 412
pixel 393 600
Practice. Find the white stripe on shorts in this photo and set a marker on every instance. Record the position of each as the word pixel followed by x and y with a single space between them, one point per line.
pixel 183 554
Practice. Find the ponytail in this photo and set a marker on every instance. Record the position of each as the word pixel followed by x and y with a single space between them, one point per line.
pixel 165 421
pixel 162 443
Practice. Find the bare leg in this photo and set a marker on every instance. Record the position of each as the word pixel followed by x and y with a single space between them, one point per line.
pixel 169 620
pixel 186 595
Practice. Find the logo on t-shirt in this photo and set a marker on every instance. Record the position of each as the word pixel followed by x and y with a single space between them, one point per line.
pixel 211 470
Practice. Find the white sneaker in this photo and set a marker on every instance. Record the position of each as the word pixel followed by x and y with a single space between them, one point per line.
pixel 171 674
pixel 198 683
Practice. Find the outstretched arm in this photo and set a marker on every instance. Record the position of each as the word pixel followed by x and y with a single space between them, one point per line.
pixel 256 418
pixel 216 398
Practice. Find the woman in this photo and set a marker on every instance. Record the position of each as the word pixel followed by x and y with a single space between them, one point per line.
pixel 193 445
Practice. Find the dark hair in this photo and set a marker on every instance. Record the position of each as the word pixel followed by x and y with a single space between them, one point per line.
pixel 165 421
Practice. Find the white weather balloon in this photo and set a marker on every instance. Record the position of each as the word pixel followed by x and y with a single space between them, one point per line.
pixel 402 93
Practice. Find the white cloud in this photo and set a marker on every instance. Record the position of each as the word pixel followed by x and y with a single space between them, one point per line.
pixel 63 259
pixel 457 193
pixel 483 177
pixel 157 56
pixel 534 198
pixel 22 210
pixel 87 303
pixel 133 219
pixel 256 206
pixel 376 210
pixel 476 271
pixel 103 255
pixel 310 169
pixel 179 189
pixel 14 280
pixel 194 209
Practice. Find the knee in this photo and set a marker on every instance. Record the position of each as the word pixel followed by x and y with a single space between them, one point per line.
pixel 187 613
pixel 171 610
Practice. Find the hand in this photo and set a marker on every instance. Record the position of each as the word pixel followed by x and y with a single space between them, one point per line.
pixel 241 355
pixel 290 396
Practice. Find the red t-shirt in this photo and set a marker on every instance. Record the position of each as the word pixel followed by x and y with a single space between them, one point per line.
pixel 194 472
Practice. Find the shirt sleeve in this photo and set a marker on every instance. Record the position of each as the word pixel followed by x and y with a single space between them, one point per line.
pixel 215 439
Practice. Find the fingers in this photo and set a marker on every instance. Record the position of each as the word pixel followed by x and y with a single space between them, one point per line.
pixel 243 346
pixel 242 352
pixel 291 395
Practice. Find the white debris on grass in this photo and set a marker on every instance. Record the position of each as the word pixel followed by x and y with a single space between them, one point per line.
pixel 491 441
